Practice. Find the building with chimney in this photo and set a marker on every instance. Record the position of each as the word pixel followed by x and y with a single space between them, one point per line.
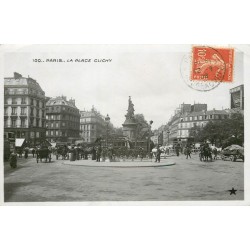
pixel 191 116
pixel 92 125
pixel 62 120
pixel 24 108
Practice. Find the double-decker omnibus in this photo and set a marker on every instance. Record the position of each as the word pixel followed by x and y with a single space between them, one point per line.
pixel 9 144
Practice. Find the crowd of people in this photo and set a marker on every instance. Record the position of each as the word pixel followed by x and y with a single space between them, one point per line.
pixel 97 153
pixel 101 153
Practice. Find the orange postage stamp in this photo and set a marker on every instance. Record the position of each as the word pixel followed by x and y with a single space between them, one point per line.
pixel 212 64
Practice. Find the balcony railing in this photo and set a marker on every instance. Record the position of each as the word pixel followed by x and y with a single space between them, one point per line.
pixel 23 114
pixel 14 114
pixel 14 103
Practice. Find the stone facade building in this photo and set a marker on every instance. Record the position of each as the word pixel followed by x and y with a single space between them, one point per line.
pixel 181 123
pixel 24 108
pixel 92 125
pixel 62 120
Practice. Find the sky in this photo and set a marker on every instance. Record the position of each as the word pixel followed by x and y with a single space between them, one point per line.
pixel 150 74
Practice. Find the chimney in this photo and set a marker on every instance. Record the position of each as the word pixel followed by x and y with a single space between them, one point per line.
pixel 17 75
pixel 72 101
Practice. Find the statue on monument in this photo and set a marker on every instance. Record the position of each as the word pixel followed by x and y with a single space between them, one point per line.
pixel 130 116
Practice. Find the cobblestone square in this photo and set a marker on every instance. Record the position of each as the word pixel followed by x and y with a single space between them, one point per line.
pixel 187 180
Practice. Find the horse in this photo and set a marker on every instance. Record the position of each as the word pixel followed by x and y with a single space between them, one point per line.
pixel 205 154
pixel 42 153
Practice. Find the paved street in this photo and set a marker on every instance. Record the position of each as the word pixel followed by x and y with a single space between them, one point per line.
pixel 186 180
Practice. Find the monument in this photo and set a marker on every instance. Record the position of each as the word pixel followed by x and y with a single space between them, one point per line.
pixel 130 125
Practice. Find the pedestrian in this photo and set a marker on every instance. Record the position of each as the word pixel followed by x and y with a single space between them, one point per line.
pixel 215 152
pixel 33 152
pixel 188 152
pixel 20 153
pixel 13 160
pixel 177 149
pixel 72 154
pixel 26 152
pixel 93 154
pixel 158 154
pixel 98 154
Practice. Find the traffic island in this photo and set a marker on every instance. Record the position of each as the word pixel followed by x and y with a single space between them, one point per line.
pixel 120 164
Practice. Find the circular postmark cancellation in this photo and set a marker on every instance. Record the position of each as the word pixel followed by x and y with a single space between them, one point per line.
pixel 206 67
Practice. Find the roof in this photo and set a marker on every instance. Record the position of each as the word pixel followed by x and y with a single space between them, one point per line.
pixel 60 100
pixel 210 112
pixel 22 81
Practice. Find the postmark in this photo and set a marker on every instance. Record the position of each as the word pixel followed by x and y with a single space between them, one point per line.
pixel 206 67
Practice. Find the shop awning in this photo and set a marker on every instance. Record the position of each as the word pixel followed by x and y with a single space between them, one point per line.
pixel 19 142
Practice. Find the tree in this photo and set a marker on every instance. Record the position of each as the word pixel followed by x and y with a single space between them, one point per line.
pixel 223 132
pixel 142 126
pixel 140 119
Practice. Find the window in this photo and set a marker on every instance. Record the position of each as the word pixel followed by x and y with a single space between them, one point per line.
pixel 13 123
pixel 57 132
pixel 52 125
pixel 51 117
pixel 23 100
pixel 13 111
pixel 5 111
pixel 31 101
pixel 211 117
pixel 200 117
pixel 47 117
pixel 37 122
pixel 14 101
pixel 47 133
pixel 23 123
pixel 57 125
pixel 23 111
pixel 5 123
pixel 195 118
pixel 63 124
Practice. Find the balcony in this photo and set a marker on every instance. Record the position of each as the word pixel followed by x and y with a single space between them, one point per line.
pixel 23 114
pixel 13 114
pixel 14 103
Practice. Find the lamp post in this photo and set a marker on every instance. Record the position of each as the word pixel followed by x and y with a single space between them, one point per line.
pixel 137 133
pixel 168 132
pixel 150 124
pixel 107 120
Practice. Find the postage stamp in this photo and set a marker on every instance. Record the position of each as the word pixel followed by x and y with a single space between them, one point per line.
pixel 212 64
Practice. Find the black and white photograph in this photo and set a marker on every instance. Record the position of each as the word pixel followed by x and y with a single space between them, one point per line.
pixel 115 123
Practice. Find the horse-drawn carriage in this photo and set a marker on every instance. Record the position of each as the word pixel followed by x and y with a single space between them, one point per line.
pixel 62 151
pixel 205 153
pixel 233 153
pixel 43 153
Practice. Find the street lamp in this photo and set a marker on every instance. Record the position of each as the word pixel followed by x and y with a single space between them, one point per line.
pixel 107 120
pixel 150 124
pixel 168 132
pixel 137 132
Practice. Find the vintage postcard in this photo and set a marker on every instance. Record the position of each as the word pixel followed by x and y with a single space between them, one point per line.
pixel 124 124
